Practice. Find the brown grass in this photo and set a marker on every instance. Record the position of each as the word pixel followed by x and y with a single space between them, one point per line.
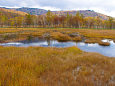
pixel 38 66
pixel 77 39
pixel 60 36
pixel 104 43
pixel 87 33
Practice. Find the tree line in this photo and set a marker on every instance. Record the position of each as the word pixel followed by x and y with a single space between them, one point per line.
pixel 52 20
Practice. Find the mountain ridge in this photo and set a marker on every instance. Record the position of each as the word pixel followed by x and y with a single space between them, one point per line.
pixel 32 11
pixel 86 13
pixel 38 11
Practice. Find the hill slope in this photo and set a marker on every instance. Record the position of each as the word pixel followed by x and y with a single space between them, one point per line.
pixel 11 13
pixel 32 11
pixel 37 11
pixel 86 13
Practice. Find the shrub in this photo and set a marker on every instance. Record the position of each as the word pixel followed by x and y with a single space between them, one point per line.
pixel 77 39
pixel 104 43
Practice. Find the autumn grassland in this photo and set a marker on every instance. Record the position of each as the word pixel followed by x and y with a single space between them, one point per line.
pixel 40 66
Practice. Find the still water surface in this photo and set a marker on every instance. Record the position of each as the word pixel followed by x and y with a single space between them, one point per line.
pixel 104 50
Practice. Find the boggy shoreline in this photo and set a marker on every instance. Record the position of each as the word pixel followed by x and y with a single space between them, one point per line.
pixel 62 35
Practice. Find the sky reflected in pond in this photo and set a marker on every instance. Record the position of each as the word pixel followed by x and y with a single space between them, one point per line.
pixel 104 50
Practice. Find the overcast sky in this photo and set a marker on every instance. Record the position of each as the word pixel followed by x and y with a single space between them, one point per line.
pixel 103 6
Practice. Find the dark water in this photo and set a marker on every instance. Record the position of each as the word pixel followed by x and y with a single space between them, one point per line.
pixel 104 50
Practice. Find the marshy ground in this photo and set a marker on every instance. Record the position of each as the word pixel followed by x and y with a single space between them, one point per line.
pixel 39 66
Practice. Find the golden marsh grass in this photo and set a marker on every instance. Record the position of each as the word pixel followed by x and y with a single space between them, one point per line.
pixel 39 66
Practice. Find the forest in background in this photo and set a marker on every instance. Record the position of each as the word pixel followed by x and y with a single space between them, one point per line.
pixel 50 20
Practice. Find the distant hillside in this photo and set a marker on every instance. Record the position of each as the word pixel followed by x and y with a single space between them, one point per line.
pixel 10 12
pixel 86 13
pixel 37 11
pixel 32 11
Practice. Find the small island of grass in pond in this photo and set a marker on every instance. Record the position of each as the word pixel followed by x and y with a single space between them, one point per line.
pixel 105 47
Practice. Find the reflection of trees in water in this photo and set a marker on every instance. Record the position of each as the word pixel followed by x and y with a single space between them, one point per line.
pixel 48 41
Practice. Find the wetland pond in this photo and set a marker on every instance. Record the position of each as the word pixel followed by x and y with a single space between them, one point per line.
pixel 104 50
